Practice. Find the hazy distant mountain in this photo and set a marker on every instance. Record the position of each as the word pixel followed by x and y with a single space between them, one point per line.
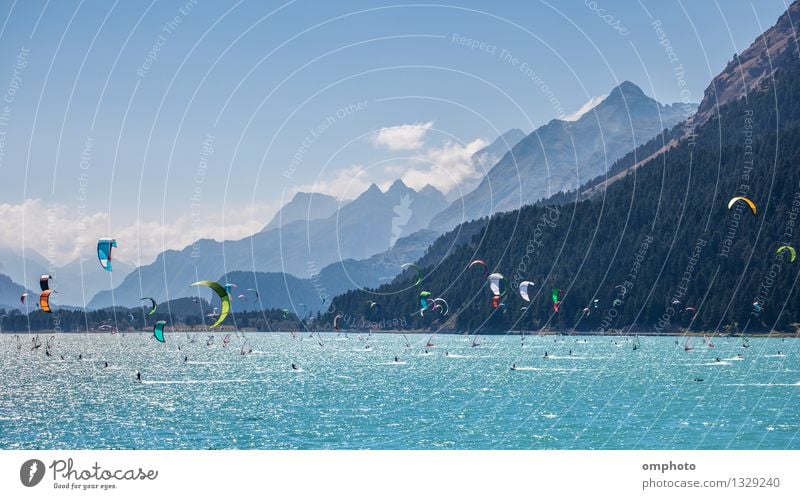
pixel 487 157
pixel 304 206
pixel 366 226
pixel 561 155
pixel 77 282
pixel 21 269
pixel 275 290
pixel 10 292
pixel 377 269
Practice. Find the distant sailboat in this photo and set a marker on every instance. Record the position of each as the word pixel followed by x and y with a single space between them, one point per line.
pixel 745 342
pixel 476 341
pixel 430 341
pixel 708 342
pixel 636 343
pixel 687 347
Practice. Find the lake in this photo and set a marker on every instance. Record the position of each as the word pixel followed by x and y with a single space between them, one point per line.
pixel 349 393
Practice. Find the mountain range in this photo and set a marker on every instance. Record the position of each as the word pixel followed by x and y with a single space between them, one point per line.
pixel 313 231
pixel 370 224
pixel 77 281
pixel 662 250
pixel 562 155
pixel 317 242
pixel 304 206
pixel 10 293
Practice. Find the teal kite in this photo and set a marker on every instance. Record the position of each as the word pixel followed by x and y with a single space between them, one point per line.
pixel 104 246
pixel 158 330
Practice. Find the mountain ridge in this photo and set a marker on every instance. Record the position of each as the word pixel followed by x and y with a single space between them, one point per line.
pixel 300 248
pixel 544 162
pixel 660 252
pixel 304 206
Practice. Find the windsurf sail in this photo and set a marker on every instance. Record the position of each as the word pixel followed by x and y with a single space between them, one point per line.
pixel 246 349
pixel 476 341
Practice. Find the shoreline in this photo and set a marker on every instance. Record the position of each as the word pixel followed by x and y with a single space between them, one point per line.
pixel 699 334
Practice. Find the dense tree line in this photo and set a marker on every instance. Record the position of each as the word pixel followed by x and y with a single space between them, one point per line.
pixel 651 248
pixel 179 314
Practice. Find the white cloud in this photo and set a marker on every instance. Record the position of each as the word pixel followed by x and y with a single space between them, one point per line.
pixel 445 168
pixel 402 137
pixel 347 183
pixel 62 235
pixel 590 104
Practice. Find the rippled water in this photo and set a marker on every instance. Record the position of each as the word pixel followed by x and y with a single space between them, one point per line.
pixel 347 396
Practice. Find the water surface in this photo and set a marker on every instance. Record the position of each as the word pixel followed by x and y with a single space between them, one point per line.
pixel 350 394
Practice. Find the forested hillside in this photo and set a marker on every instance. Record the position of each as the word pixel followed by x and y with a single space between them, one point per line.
pixel 657 242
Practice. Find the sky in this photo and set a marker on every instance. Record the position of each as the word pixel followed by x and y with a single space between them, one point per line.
pixel 161 123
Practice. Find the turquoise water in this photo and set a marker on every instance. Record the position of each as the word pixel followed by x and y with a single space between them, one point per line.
pixel 603 396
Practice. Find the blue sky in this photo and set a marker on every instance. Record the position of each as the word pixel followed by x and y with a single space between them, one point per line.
pixel 112 141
